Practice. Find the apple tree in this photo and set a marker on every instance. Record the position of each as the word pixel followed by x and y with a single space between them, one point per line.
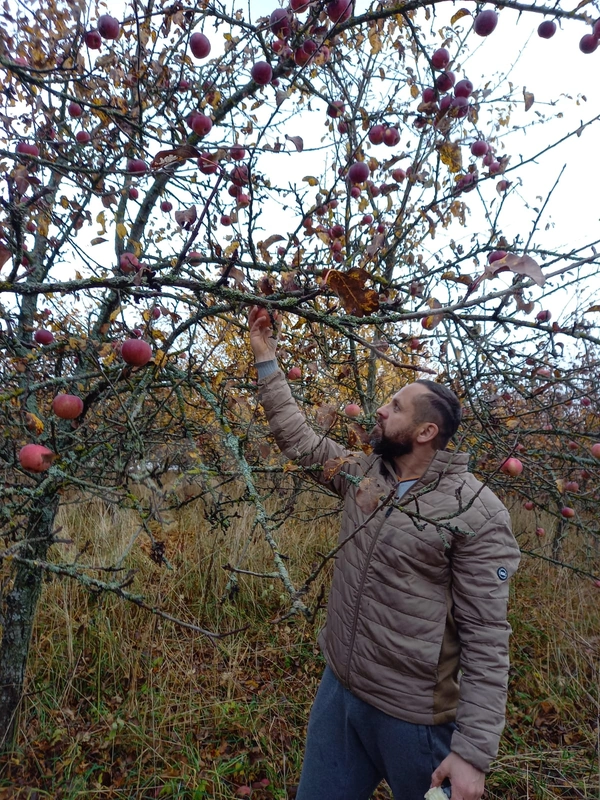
pixel 337 164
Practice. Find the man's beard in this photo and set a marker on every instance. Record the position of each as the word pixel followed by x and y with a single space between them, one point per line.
pixel 389 449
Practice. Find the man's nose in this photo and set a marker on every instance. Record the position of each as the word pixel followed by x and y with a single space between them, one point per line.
pixel 381 413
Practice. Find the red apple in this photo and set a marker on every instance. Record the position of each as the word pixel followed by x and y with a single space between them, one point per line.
pixel 128 263
pixel 441 58
pixel 414 343
pixel 398 174
pixel 26 149
pixel 358 172
pixel 136 352
pixel 166 206
pixel 512 467
pixel 567 513
pixel 83 137
pixel 226 220
pixel 588 43
pixel 546 29
pixel 391 137
pixel 201 124
pixel 280 23
pixel 496 255
pixel 529 505
pixel 136 166
pixel 155 312
pixel 199 45
pixel 294 374
pixel 586 402
pixel 133 193
pixel 207 163
pixel 42 336
pixel 479 148
pixel 237 152
pixel 571 486
pixel 339 10
pixel 335 109
pixel 445 81
pixel 93 40
pixel 262 73
pixel 596 450
pixel 573 445
pixel 36 457
pixel 463 88
pixel 376 134
pixel 543 316
pixel 353 410
pixel 540 532
pixel 108 27
pixel 485 22
pixel 67 406
pixel 74 109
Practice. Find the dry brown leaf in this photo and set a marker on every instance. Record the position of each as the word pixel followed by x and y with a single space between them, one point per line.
pixel 297 141
pixel 326 416
pixel 186 218
pixel 350 288
pixel 451 156
pixel 462 12
pixel 529 98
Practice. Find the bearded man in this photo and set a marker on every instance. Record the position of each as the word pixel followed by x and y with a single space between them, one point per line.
pixel 416 637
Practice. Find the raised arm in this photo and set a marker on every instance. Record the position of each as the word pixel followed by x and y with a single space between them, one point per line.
pixel 294 436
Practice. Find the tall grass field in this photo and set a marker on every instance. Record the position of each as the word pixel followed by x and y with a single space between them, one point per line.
pixel 122 704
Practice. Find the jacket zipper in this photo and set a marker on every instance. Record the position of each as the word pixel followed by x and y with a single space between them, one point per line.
pixel 360 589
pixel 363 577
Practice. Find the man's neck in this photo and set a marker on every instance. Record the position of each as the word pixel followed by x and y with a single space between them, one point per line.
pixel 413 465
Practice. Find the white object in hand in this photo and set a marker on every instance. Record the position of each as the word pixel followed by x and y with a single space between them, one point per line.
pixel 436 794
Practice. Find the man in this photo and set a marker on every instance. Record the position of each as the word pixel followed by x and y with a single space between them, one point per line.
pixel 419 592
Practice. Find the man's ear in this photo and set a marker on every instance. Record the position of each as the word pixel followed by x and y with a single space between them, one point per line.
pixel 428 431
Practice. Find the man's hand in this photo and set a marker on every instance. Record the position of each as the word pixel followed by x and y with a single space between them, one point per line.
pixel 262 336
pixel 466 780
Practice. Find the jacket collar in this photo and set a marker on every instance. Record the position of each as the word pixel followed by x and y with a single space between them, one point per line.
pixel 444 462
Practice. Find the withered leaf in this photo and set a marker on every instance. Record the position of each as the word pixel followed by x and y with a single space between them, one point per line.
pixel 186 218
pixel 521 265
pixel 326 416
pixel 358 437
pixel 433 320
pixel 529 98
pixel 350 288
pixel 334 465
pixel 297 141
pixel 368 495
pixel 167 158
pixel 5 255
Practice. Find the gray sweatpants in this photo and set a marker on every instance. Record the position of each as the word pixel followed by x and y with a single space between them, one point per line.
pixel 352 746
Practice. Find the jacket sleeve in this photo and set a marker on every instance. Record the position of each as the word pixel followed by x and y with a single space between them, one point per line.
pixel 294 436
pixel 481 568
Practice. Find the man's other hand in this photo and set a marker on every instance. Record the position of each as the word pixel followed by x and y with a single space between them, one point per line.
pixel 262 335
pixel 466 780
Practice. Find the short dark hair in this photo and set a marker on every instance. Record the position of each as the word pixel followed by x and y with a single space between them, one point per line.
pixel 439 405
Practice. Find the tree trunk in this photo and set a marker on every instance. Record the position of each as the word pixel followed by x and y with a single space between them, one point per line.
pixel 17 616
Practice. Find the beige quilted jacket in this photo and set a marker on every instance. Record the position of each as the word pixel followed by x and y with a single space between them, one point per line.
pixel 416 618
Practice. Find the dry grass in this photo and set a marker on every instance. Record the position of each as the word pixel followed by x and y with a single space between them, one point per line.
pixel 121 704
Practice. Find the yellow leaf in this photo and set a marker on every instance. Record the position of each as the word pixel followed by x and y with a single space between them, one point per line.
pixel 121 230
pixel 375 40
pixel 311 180
pixel 160 358
pixel 101 220
pixel 33 423
pixel 414 91
pixel 462 12
pixel 451 156
pixel 115 314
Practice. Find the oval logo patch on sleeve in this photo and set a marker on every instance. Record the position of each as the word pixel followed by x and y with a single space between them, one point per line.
pixel 502 573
